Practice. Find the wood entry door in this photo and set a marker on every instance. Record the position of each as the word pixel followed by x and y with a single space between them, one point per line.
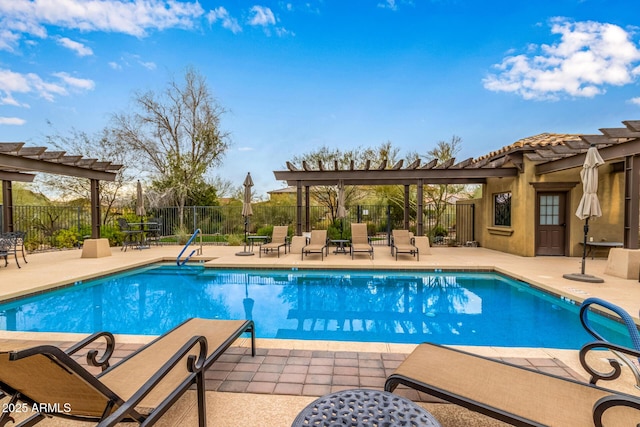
pixel 551 227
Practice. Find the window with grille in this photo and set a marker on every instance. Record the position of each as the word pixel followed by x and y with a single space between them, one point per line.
pixel 502 209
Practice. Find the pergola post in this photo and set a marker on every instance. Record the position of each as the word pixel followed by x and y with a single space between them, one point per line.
pixel 307 209
pixel 299 208
pixel 7 207
pixel 95 209
pixel 406 207
pixel 631 203
pixel 420 216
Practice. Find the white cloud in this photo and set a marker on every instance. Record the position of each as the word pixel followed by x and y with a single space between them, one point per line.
pixel 388 4
pixel 79 48
pixel 12 83
pixel 114 65
pixel 262 16
pixel 245 148
pixel 134 17
pixel 228 22
pixel 13 121
pixel 635 100
pixel 76 83
pixel 589 56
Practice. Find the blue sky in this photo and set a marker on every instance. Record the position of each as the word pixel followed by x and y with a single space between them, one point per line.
pixel 297 75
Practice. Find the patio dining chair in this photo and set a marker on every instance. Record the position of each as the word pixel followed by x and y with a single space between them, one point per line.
pixel 4 251
pixel 139 388
pixel 154 231
pixel 13 242
pixel 131 237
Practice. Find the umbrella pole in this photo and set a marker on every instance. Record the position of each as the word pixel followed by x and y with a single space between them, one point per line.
pixel 245 233
pixel 584 246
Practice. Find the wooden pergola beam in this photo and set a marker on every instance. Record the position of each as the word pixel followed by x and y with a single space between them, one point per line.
pixel 16 176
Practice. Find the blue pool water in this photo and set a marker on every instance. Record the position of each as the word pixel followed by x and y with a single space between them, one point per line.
pixel 464 308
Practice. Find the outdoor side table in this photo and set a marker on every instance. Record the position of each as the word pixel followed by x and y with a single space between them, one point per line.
pixel 341 247
pixel 364 408
pixel 256 239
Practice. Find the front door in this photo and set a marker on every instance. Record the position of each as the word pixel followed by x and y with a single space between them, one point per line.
pixel 551 227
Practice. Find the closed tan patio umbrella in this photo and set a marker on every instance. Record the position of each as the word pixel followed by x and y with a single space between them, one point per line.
pixel 589 206
pixel 247 211
pixel 140 210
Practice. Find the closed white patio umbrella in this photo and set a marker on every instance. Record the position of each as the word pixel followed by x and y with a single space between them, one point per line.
pixel 589 207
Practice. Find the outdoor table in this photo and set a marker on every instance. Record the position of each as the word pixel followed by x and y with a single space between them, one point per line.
pixel 341 245
pixel 362 407
pixel 256 239
pixel 592 247
pixel 144 226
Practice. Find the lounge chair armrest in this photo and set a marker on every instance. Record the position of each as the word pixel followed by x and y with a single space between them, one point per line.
pixel 612 401
pixel 632 329
pixel 195 365
pixel 618 350
pixel 92 355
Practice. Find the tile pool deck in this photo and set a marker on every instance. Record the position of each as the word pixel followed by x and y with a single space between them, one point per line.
pixel 246 391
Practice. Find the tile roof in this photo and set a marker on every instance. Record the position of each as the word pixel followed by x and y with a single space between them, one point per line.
pixel 532 143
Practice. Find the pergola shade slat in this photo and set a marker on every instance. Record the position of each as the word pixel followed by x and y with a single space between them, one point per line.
pixel 10 147
pixel 620 133
pixel 633 125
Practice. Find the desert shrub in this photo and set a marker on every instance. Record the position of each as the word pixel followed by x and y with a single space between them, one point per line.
pixel 235 239
pixel 65 238
pixel 267 230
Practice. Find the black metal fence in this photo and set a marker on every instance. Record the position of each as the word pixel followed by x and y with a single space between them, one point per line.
pixel 55 226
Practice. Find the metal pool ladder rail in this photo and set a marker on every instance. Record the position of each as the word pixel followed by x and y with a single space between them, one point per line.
pixel 199 250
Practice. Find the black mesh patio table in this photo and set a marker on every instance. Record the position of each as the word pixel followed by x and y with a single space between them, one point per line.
pixel 364 408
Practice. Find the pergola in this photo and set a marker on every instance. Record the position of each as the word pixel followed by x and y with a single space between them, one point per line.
pixel 19 163
pixel 466 172
pixel 549 152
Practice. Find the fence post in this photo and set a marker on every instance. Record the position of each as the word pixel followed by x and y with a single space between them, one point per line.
pixel 195 216
pixel 388 225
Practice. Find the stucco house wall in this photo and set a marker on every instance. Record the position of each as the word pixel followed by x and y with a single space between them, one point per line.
pixel 519 238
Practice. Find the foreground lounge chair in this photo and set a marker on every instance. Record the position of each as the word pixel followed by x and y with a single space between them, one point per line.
pixel 360 241
pixel 402 242
pixel 516 395
pixel 316 244
pixel 279 238
pixel 140 388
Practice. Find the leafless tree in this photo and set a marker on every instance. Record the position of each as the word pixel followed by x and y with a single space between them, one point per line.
pixel 175 133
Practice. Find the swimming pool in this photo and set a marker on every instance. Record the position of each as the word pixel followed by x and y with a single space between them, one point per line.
pixel 457 308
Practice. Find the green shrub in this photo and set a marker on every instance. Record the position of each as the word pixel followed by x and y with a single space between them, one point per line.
pixel 235 239
pixel 439 232
pixel 371 229
pixel 182 235
pixel 112 233
pixel 267 230
pixel 66 238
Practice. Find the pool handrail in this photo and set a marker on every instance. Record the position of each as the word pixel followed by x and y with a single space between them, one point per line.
pixel 181 263
pixel 628 321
